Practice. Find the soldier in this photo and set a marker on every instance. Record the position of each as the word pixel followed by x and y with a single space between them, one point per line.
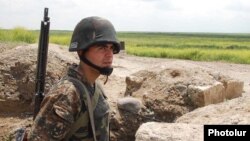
pixel 66 111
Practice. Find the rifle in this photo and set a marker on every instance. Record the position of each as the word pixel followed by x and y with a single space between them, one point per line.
pixel 21 134
pixel 41 62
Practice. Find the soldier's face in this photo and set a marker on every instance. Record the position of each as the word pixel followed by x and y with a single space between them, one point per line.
pixel 101 54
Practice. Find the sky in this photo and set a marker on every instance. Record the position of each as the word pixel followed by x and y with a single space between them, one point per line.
pixel 215 16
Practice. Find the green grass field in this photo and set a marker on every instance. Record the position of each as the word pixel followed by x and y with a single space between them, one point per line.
pixel 234 48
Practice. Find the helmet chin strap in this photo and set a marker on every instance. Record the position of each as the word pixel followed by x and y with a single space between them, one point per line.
pixel 104 71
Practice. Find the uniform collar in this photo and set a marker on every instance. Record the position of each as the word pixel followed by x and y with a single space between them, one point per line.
pixel 72 72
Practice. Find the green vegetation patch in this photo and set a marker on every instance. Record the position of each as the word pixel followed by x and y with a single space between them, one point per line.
pixel 18 34
pixel 234 48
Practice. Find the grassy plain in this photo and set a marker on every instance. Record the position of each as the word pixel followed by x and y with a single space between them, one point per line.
pixel 234 48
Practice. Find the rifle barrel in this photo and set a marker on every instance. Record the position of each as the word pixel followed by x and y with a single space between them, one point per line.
pixel 41 62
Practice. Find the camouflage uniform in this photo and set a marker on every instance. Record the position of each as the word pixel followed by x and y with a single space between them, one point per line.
pixel 63 115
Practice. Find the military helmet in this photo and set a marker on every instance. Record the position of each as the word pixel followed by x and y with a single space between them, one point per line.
pixel 92 30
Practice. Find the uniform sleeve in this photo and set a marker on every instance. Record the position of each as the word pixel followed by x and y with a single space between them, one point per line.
pixel 58 112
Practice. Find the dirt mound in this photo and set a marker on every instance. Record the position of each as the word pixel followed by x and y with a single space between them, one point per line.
pixel 18 71
pixel 7 46
pixel 169 93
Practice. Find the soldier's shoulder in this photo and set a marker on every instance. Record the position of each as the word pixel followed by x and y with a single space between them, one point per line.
pixel 63 86
pixel 64 92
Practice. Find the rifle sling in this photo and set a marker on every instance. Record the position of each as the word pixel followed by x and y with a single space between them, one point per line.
pixel 89 103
